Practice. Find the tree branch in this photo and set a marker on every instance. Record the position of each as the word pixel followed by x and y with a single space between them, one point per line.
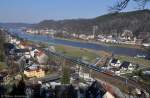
pixel 122 4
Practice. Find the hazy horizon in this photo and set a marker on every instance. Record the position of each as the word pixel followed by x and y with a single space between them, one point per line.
pixel 34 11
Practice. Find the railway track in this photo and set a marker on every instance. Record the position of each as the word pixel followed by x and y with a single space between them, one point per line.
pixel 100 71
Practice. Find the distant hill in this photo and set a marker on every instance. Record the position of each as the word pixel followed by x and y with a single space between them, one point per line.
pixel 15 25
pixel 136 21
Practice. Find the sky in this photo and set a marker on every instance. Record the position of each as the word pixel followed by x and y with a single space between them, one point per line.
pixel 34 11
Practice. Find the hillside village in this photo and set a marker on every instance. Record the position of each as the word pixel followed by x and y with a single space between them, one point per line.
pixel 126 37
pixel 75 49
pixel 34 63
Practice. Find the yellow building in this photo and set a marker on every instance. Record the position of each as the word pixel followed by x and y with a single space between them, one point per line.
pixel 34 73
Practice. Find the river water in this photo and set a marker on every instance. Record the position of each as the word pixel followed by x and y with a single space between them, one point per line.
pixel 114 50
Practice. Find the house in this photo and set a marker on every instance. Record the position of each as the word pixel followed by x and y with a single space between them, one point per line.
pixel 42 58
pixel 83 36
pixel 139 41
pixel 110 40
pixel 52 48
pixel 32 31
pixel 86 76
pixel 146 72
pixel 115 62
pixel 1 78
pixel 24 60
pixel 90 37
pixel 95 90
pixel 13 40
pixel 8 48
pixel 100 36
pixel 126 66
pixel 17 42
pixel 148 57
pixel 75 76
pixel 21 52
pixel 54 84
pixel 74 35
pixel 33 52
pixel 34 71
pixel 23 45
pixel 127 35
pixel 108 95
pixel 146 44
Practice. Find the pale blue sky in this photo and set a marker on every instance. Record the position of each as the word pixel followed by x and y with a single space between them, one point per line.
pixel 32 11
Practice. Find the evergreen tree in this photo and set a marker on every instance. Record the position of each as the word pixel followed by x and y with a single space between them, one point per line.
pixel 65 74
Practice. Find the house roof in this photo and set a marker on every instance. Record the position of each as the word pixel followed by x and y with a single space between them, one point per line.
pixel 147 57
pixel 114 60
pixel 21 50
pixel 146 72
pixel 125 64
pixel 96 88
pixel 1 78
pixel 32 67
pixel 9 46
pixel 39 53
pixel 23 43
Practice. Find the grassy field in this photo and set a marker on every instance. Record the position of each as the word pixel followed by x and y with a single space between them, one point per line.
pixel 90 55
pixel 140 61
pixel 77 52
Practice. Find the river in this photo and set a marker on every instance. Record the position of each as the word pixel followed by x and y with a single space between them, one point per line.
pixel 115 50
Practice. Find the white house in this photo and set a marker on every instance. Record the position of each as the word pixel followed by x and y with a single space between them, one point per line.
pixel 110 40
pixel 115 63
pixel 90 37
pixel 13 40
pixel 108 95
pixel 146 44
pixel 83 36
pixel 100 36
pixel 85 76
pixel 54 84
pixel 127 66
pixel 27 55
pixel 147 72
pixel 33 51
pixel 52 48
pixel 75 35
pixel 17 42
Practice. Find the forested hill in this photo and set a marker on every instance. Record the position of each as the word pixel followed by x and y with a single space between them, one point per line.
pixel 136 21
pixel 15 25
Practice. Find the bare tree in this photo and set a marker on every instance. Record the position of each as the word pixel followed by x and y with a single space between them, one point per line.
pixel 122 4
